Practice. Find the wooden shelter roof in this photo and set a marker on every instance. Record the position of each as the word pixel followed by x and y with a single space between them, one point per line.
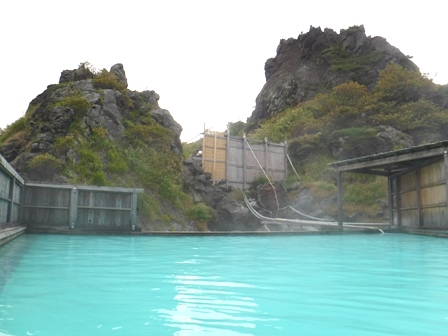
pixel 394 162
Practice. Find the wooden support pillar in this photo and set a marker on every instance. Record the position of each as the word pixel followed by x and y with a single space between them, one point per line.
pixel 285 159
pixel 390 194
pixel 134 210
pixel 73 208
pixel 419 198
pixel 445 158
pixel 266 163
pixel 203 146
pixel 398 199
pixel 340 202
pixel 227 158
pixel 244 161
pixel 21 200
pixel 12 189
pixel 214 158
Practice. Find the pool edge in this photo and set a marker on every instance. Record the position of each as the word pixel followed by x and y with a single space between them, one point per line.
pixel 8 234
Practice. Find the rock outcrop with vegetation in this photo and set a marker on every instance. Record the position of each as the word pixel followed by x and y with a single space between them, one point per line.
pixel 319 60
pixel 90 129
pixel 332 96
pixel 340 96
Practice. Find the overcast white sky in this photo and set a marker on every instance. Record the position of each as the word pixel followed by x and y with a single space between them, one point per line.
pixel 204 58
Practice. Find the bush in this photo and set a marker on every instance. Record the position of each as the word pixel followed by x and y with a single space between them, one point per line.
pixel 200 212
pixel 399 85
pixel 236 128
pixel 117 162
pixel 78 103
pixel 98 139
pixel 306 146
pixel 366 192
pixel 90 168
pixel 106 80
pixel 17 126
pixel 154 135
pixel 42 167
pixel 63 144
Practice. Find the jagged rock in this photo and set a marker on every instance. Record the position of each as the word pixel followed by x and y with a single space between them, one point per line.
pixel 232 216
pixel 118 71
pixel 108 116
pixel 72 156
pixel 75 75
pixel 52 113
pixel 305 202
pixel 164 118
pixel 304 65
pixel 12 148
pixel 272 197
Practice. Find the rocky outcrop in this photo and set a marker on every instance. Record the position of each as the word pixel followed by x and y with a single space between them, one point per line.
pixel 118 71
pixel 83 72
pixel 320 60
pixel 76 99
pixel 231 215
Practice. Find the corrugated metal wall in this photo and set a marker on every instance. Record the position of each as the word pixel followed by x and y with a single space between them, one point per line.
pixel 240 161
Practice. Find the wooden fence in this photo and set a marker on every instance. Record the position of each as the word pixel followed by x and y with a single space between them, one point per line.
pixel 11 189
pixel 240 161
pixel 48 206
pixel 419 197
pixel 52 207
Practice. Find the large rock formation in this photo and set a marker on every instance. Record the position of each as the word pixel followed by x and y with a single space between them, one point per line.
pixel 319 60
pixel 78 99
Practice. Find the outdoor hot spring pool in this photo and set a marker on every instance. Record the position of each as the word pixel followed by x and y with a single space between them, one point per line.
pixel 375 284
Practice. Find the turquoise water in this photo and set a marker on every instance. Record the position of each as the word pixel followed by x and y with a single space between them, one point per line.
pixel 239 285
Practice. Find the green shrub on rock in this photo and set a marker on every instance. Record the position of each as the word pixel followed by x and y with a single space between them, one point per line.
pixel 43 167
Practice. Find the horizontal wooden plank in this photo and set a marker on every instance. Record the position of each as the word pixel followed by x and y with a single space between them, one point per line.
pixel 86 188
pixel 45 207
pixel 390 158
pixel 102 208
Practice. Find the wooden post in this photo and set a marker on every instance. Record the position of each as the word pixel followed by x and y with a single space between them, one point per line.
pixel 285 160
pixel 340 202
pixel 398 199
pixel 73 208
pixel 419 198
pixel 214 158
pixel 390 200
pixel 22 200
pixel 227 157
pixel 244 161
pixel 12 189
pixel 203 147
pixel 91 212
pixel 134 210
pixel 445 158
pixel 266 167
